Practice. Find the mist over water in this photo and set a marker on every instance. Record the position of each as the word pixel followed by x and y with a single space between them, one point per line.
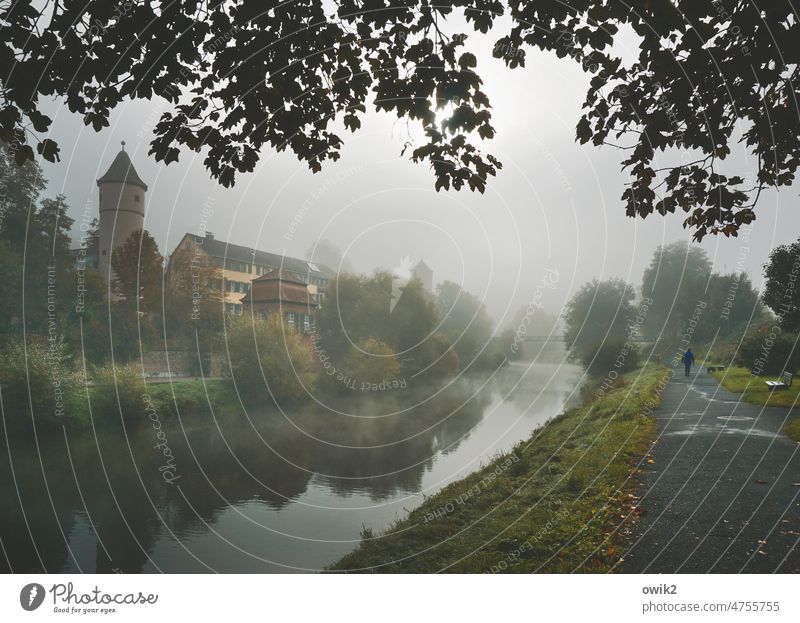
pixel 264 491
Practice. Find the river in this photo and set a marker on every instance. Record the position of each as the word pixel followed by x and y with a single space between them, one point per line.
pixel 261 491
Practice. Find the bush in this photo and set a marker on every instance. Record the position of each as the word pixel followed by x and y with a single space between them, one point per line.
pixel 270 357
pixel 436 356
pixel 38 380
pixel 769 351
pixel 118 390
pixel 371 363
pixel 614 354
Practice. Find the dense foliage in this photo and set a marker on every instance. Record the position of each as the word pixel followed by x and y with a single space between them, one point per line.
pixel 269 360
pixel 243 75
pixel 768 350
pixel 358 309
pixel 598 311
pixel 781 290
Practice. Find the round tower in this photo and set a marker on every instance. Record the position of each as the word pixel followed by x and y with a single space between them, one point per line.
pixel 121 204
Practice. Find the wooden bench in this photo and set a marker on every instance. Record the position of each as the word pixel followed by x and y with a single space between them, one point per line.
pixel 784 383
pixel 714 368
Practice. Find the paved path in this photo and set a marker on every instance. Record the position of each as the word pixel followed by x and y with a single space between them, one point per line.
pixel 723 494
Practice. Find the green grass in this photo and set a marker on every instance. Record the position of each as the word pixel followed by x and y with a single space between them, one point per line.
pixel 185 397
pixel 755 391
pixel 190 396
pixel 793 429
pixel 558 502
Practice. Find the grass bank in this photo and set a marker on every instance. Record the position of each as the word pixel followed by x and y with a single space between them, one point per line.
pixel 755 391
pixel 559 502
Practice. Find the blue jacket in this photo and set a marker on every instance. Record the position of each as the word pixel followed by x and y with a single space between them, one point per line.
pixel 688 357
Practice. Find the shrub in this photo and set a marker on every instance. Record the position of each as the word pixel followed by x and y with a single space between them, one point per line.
pixel 442 358
pixel 38 380
pixel 612 355
pixel 119 390
pixel 371 363
pixel 270 357
pixel 767 350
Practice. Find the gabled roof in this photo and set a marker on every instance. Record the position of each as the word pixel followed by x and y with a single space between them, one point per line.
pixel 422 264
pixel 122 171
pixel 220 248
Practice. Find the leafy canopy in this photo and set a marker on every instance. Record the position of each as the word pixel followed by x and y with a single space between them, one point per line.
pixel 246 74
pixel 782 285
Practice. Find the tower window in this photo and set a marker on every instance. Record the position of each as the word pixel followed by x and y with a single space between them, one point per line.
pixel 136 198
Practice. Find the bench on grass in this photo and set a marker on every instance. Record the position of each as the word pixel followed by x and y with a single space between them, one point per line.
pixel 714 368
pixel 784 383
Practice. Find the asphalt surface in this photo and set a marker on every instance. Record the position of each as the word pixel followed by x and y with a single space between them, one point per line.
pixel 722 493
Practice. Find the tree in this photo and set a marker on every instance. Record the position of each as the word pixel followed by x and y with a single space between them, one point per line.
pixel 193 296
pixel 372 362
pixel 138 272
pixel 598 311
pixel 732 301
pixel 465 322
pixel 356 309
pixel 34 249
pixel 412 327
pixel 242 75
pixel 269 358
pixel 781 290
pixel 676 280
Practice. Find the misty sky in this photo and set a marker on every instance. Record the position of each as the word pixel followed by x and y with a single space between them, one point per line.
pixel 555 205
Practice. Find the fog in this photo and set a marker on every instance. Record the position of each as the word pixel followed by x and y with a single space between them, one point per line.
pixel 554 206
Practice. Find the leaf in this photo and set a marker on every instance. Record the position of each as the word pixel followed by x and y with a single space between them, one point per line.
pixel 467 61
pixel 49 150
pixel 584 130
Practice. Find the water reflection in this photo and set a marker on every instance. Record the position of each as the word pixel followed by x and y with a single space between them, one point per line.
pixel 259 491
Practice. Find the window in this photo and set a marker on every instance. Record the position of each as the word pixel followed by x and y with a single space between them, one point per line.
pixel 263 315
pixel 290 318
pixel 306 323
pixel 136 198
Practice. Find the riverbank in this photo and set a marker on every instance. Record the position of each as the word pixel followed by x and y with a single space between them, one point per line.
pixel 755 391
pixel 558 502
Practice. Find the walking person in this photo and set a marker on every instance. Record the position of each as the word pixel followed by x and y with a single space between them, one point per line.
pixel 688 361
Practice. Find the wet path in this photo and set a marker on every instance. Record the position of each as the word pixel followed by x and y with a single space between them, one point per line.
pixel 723 492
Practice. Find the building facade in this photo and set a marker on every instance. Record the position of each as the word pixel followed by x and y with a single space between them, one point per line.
pixel 240 266
pixel 122 208
pixel 286 293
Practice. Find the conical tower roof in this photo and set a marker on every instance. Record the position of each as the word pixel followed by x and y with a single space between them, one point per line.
pixel 122 171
